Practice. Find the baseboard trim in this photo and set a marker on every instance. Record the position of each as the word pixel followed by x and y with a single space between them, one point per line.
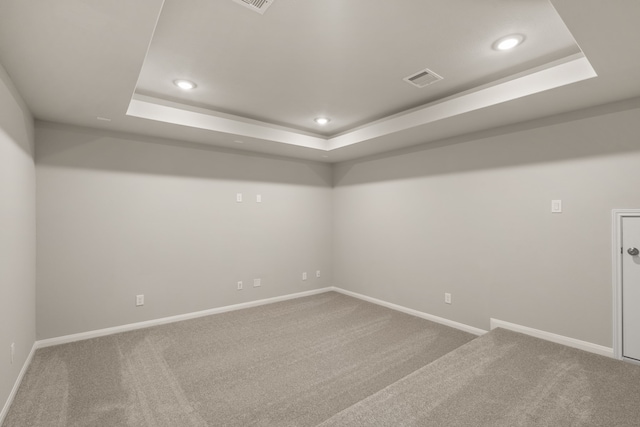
pixel 16 385
pixel 436 319
pixel 495 323
pixel 164 320
pixel 558 339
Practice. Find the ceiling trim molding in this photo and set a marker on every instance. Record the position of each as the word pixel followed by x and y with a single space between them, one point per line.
pixel 568 70
pixel 151 108
pixel 571 69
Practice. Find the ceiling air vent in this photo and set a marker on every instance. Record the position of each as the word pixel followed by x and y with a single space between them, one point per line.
pixel 259 6
pixel 423 78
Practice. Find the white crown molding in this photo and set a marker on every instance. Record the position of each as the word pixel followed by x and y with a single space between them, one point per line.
pixel 571 69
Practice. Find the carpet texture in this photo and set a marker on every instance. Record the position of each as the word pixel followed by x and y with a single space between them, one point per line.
pixel 293 363
pixel 505 379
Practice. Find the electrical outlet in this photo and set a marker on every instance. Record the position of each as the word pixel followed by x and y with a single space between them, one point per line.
pixel 139 300
pixel 318 274
pixel 13 351
pixel 239 197
pixel 257 283
pixel 304 276
pixel 447 298
pixel 240 285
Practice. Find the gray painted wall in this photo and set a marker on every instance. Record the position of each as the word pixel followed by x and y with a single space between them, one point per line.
pixel 471 216
pixel 123 215
pixel 17 235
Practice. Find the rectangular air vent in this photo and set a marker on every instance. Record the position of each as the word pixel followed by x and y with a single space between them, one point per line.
pixel 259 6
pixel 423 78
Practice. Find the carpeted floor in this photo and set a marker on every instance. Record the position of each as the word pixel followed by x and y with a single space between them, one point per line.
pixel 293 363
pixel 327 360
pixel 505 379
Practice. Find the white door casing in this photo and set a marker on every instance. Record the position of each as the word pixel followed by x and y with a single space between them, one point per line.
pixel 631 287
pixel 626 280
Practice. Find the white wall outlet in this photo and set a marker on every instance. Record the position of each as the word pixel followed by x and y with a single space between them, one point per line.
pixel 239 197
pixel 318 274
pixel 304 276
pixel 13 351
pixel 258 198
pixel 139 300
pixel 447 298
pixel 240 285
pixel 556 206
pixel 257 283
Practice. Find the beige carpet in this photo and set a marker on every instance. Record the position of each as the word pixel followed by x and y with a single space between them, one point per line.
pixel 505 379
pixel 294 363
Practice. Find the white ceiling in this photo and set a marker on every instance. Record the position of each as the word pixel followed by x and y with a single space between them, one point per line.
pixel 262 79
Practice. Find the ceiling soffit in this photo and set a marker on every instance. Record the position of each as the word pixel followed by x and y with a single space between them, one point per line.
pixel 266 77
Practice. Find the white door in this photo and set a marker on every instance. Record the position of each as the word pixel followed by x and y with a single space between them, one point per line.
pixel 631 287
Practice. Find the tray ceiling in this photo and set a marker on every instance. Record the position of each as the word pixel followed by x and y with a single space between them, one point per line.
pixel 262 78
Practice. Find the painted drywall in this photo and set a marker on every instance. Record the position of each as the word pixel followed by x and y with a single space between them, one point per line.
pixel 120 216
pixel 472 217
pixel 17 235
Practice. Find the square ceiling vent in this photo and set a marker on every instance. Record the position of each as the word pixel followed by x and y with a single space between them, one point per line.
pixel 423 78
pixel 259 6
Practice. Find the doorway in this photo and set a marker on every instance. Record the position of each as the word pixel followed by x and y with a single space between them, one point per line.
pixel 626 271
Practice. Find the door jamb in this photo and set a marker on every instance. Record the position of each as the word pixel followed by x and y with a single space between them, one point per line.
pixel 616 217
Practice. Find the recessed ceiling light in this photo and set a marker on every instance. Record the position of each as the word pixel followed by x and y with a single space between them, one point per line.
pixel 184 84
pixel 508 42
pixel 322 120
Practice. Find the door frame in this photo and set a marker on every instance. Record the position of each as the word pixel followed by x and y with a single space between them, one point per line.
pixel 616 216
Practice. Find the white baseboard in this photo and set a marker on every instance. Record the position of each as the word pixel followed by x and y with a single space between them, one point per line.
pixel 436 319
pixel 495 323
pixel 558 339
pixel 164 320
pixel 16 385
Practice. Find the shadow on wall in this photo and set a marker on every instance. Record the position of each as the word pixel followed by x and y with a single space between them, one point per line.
pixel 73 147
pixel 17 125
pixel 606 130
